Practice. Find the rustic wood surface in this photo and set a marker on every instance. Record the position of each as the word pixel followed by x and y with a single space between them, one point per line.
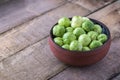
pixel 94 4
pixel 24 49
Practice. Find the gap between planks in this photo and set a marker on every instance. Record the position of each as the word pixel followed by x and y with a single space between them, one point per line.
pixel 113 76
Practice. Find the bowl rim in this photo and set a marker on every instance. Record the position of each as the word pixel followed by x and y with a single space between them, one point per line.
pixel 85 52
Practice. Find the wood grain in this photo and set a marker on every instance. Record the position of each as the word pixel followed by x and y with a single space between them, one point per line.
pixel 92 5
pixel 34 63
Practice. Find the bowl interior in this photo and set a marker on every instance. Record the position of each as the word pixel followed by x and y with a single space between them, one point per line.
pixel 105 30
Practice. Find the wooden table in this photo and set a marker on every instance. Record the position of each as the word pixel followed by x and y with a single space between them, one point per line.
pixel 24 31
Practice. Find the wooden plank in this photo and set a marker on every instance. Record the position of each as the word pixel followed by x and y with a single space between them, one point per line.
pixel 92 5
pixel 16 12
pixel 35 30
pixel 111 63
pixel 34 63
pixel 3 1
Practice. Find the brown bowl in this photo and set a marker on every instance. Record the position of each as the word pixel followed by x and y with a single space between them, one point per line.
pixel 81 58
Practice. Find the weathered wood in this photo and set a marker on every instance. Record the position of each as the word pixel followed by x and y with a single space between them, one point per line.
pixel 92 5
pixel 3 1
pixel 116 78
pixel 35 30
pixel 16 12
pixel 34 63
pixel 111 63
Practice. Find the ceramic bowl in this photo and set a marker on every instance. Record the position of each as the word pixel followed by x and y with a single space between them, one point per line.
pixel 81 58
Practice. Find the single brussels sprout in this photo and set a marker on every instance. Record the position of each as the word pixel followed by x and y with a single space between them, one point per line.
pixel 102 38
pixel 85 19
pixel 76 21
pixel 84 39
pixel 78 31
pixel 70 36
pixel 66 46
pixel 94 44
pixel 59 41
pixel 74 45
pixel 58 30
pixel 69 29
pixel 85 49
pixel 97 28
pixel 66 41
pixel 64 21
pixel 93 35
pixel 88 25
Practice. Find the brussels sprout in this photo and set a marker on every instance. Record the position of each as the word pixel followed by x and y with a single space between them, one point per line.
pixel 58 30
pixel 66 41
pixel 102 38
pixel 66 46
pixel 64 21
pixel 93 35
pixel 76 21
pixel 84 39
pixel 85 49
pixel 70 36
pixel 85 19
pixel 75 45
pixel 97 28
pixel 59 41
pixel 69 29
pixel 78 31
pixel 95 44
pixel 88 25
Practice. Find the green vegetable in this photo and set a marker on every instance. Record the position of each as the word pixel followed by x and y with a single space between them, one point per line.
pixel 66 46
pixel 94 44
pixel 69 29
pixel 93 35
pixel 97 28
pixel 85 49
pixel 78 31
pixel 59 41
pixel 76 21
pixel 64 21
pixel 85 19
pixel 88 25
pixel 70 36
pixel 79 34
pixel 58 30
pixel 66 41
pixel 75 45
pixel 102 38
pixel 84 39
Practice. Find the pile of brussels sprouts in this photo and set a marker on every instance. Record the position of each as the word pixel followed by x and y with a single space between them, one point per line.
pixel 78 34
